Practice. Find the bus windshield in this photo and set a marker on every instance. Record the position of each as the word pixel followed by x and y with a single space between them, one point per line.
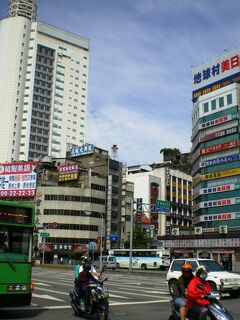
pixel 15 244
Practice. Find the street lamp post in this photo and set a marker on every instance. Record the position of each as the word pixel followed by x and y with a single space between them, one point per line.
pixel 44 242
pixel 101 237
pixel 131 236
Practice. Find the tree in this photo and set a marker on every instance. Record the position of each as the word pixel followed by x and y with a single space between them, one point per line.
pixel 141 239
pixel 171 154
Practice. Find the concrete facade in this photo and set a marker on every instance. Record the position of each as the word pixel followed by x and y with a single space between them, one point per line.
pixel 43 88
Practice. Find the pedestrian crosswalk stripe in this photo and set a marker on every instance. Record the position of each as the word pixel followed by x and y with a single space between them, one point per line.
pixel 54 291
pixel 138 302
pixel 46 296
pixel 41 284
pixel 116 296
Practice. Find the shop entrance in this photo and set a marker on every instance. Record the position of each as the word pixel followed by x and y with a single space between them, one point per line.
pixel 226 261
pixel 204 254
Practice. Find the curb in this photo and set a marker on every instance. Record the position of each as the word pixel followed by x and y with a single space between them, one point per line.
pixel 136 272
pixel 53 266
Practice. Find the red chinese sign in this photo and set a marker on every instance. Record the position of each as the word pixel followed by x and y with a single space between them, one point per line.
pixel 18 179
pixel 219 147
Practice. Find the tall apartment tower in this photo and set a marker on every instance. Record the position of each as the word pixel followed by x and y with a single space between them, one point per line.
pixel 215 149
pixel 43 86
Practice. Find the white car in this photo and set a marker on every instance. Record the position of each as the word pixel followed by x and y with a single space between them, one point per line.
pixel 219 279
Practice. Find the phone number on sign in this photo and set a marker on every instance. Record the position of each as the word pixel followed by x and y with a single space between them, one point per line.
pixel 17 193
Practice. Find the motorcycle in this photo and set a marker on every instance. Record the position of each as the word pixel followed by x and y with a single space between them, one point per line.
pixel 216 311
pixel 99 304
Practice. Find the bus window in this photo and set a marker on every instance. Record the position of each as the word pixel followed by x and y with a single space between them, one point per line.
pixel 15 242
pixel 4 247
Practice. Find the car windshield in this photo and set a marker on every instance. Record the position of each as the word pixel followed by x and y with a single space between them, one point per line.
pixel 211 266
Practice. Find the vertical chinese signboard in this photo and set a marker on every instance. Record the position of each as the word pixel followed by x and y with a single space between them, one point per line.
pixel 18 179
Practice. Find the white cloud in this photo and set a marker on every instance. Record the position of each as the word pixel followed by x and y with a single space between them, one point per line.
pixel 140 136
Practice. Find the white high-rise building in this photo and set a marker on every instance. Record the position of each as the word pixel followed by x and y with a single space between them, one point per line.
pixel 43 86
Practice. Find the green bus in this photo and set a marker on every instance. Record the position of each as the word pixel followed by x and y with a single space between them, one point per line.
pixel 16 234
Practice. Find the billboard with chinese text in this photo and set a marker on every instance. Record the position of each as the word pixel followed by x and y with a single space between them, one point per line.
pixel 216 73
pixel 68 172
pixel 18 179
pixel 82 150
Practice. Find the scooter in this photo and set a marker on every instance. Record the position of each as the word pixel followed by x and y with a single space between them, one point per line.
pixel 99 304
pixel 216 310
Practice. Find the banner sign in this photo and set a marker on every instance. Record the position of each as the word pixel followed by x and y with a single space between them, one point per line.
pixel 220 174
pixel 216 217
pixel 82 150
pixel 219 120
pixel 231 180
pixel 219 203
pixel 202 243
pixel 235 78
pixel 219 147
pixel 62 246
pixel 68 172
pixel 18 179
pixel 214 122
pixel 222 188
pixel 221 160
pixel 217 70
pixel 227 152
pixel 218 134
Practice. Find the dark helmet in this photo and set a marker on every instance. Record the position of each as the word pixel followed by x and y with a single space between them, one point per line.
pixel 82 258
pixel 87 266
pixel 87 260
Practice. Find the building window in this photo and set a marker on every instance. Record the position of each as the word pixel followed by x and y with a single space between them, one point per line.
pixel 62 48
pixel 213 105
pixel 221 102
pixel 205 107
pixel 229 99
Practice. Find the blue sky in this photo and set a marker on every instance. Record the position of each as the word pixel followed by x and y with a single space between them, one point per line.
pixel 140 65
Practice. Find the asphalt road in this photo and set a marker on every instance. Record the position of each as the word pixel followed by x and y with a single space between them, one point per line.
pixel 138 296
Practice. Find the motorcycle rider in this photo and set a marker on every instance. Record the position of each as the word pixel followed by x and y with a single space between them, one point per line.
pixel 93 270
pixel 180 290
pixel 83 283
pixel 196 301
pixel 77 268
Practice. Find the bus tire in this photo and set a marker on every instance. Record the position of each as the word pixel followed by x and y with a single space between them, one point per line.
pixel 143 266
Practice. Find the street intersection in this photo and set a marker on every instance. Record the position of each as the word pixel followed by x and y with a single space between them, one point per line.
pixel 132 296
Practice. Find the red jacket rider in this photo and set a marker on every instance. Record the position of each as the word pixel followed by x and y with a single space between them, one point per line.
pixel 196 295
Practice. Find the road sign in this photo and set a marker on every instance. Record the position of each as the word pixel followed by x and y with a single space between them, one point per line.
pixel 54 225
pixel 114 237
pixel 44 234
pixel 198 230
pixel 92 246
pixel 175 231
pixel 162 206
pixel 223 229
